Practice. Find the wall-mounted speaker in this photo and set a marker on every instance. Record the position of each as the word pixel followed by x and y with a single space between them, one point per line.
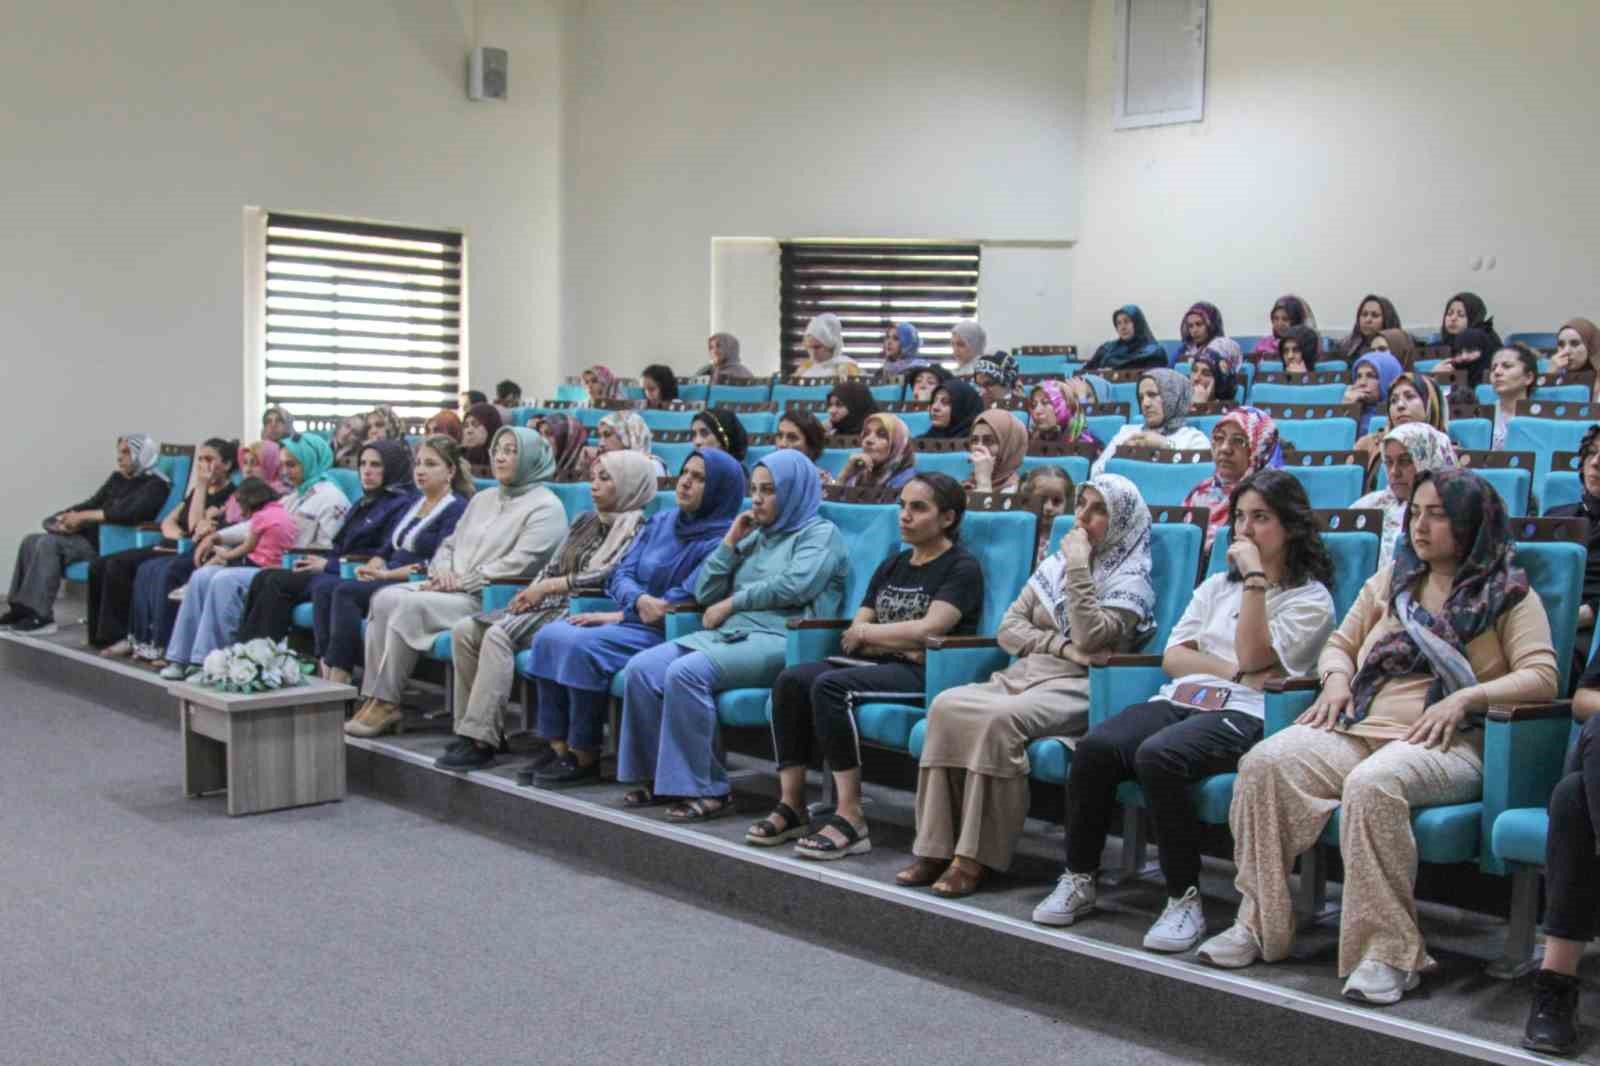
pixel 487 73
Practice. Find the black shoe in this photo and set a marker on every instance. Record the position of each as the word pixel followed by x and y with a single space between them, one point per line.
pixel 459 744
pixel 541 759
pixel 566 772
pixel 14 615
pixel 1553 1021
pixel 33 624
pixel 470 756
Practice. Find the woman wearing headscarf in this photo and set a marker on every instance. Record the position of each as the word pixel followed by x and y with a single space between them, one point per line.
pixel 824 344
pixel 1578 348
pixel 1213 378
pixel 383 423
pixel 955 404
pixel 276 424
pixel 1244 441
pixel 1299 348
pixel 348 439
pixel 387 492
pixel 1134 347
pixel 575 659
pixel 1374 314
pixel 723 349
pixel 1371 378
pixel 998 444
pixel 1287 312
pixel 968 342
pixel 849 404
pixel 1472 353
pixel 924 380
pixel 1413 397
pixel 1464 311
pixel 485 646
pixel 901 343
pixel 601 384
pixel 505 534
pixel 627 430
pixel 568 439
pixel 477 430
pixel 1450 626
pixel 1408 452
pixel 1094 594
pixel 1587 506
pixel 995 376
pixel 443 424
pixel 1090 388
pixel 131 496
pixel 660 386
pixel 887 458
pixel 263 460
pixel 1201 325
pixel 779 560
pixel 1057 415
pixel 1164 400
pixel 720 429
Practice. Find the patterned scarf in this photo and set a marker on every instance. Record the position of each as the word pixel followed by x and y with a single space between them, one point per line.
pixel 568 436
pixel 1071 419
pixel 998 366
pixel 902 453
pixel 1225 380
pixel 146 454
pixel 1431 451
pixel 1176 397
pixel 630 429
pixel 607 380
pixel 1120 565
pixel 1213 493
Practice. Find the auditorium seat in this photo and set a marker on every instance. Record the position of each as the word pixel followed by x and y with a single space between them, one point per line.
pixel 732 394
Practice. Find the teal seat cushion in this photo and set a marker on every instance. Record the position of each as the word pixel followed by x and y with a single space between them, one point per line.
pixel 1447 833
pixel 1212 797
pixel 442 647
pixel 888 725
pixel 743 706
pixel 78 572
pixel 1519 835
pixel 302 615
pixel 1049 760
pixel 919 736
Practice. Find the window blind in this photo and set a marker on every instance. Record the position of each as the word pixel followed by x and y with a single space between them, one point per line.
pixel 872 286
pixel 360 314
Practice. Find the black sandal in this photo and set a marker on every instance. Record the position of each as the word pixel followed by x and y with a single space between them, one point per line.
pixel 826 849
pixel 641 797
pixel 700 809
pixel 781 826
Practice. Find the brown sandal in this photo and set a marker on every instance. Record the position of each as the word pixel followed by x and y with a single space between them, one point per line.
pixel 922 872
pixel 958 882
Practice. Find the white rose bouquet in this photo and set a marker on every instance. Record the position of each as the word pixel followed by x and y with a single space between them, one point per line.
pixel 258 666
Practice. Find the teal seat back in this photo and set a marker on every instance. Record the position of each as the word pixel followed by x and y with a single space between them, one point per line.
pixel 1355 559
pixel 576 496
pixel 1318 434
pixel 1161 484
pixel 1555 393
pixel 664 500
pixel 1125 392
pixel 1471 434
pixel 589 416
pixel 633 392
pixel 1512 483
pixel 1283 393
pixel 886 393
pixel 721 394
pixel 782 394
pixel 484 484
pixel 667 421
pixel 756 453
pixel 672 454
pixel 1003 543
pixel 917 422
pixel 1533 340
pixel 757 421
pixel 1561 487
pixel 833 459
pixel 1544 437
pixel 1042 364
pixel 1269 366
pixel 1103 427
pixel 1174 558
pixel 871 533
pixel 957 464
pixel 176 467
pixel 1330 488
pixel 1204 423
pixel 349 482
pixel 521 416
pixel 573 392
pixel 1076 466
pixel 1555 571
pixel 695 393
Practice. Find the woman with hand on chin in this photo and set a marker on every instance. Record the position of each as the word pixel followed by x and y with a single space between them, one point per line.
pixel 1578 348
pixel 998 445
pixel 1450 627
pixel 1212 377
pixel 1413 397
pixel 886 459
pixel 1372 377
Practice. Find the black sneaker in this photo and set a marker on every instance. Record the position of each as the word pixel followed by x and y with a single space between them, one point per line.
pixel 566 772
pixel 1553 1021
pixel 541 759
pixel 13 615
pixel 33 625
pixel 469 756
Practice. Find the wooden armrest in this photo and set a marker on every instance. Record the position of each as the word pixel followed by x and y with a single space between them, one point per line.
pixel 1293 684
pixel 819 623
pixel 1106 658
pixel 1529 712
pixel 363 557
pixel 689 607
pixel 952 643
pixel 148 527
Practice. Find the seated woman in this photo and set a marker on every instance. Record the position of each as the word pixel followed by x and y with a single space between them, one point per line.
pixel 887 459
pixel 485 646
pixel 505 534
pixel 348 439
pixel 276 424
pixel 1299 348
pixel 1373 315
pixel 723 348
pixel 968 342
pixel 1513 372
pixel 1290 311
pixel 388 491
pixel 1201 325
pixel 995 376
pixel 443 484
pixel 1451 626
pixel 214 599
pixel 1093 595
pixel 1371 378
pixel 443 424
pixel 932 588
pixel 1048 489
pixel 1134 347
pixel 824 344
pixel 924 380
pixel 602 386
pixel 383 423
pixel 660 386
pixel 114 578
pixel 849 404
pixel 627 431
pixel 1057 415
pixel 1588 506
pixel 131 496
pixel 1408 450
pixel 800 431
pixel 1412 398
pixel 1578 348
pixel 1464 311
pixel 576 659
pixel 998 444
pixel 1090 388
pixel 716 428
pixel 1212 377
pixel 901 343
pixel 950 413
pixel 1265 617
pixel 1243 442
pixel 1473 350
pixel 477 429
pixel 1164 399
pixel 569 440
pixel 779 560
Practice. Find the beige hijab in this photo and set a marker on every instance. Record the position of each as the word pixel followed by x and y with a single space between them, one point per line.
pixel 635 477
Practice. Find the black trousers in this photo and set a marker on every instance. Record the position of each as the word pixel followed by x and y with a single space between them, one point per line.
pixel 111 593
pixel 812 708
pixel 1167 748
pixel 1571 867
pixel 270 603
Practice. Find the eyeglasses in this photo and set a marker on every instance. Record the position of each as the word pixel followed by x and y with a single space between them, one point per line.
pixel 1230 442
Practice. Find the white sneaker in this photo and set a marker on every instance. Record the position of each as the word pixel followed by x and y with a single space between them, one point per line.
pixel 1072 898
pixel 1180 926
pixel 1232 949
pixel 176 595
pixel 1379 983
pixel 174 672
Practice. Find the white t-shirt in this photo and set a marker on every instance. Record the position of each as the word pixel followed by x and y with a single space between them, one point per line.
pixel 840 367
pixel 1299 622
pixel 1185 439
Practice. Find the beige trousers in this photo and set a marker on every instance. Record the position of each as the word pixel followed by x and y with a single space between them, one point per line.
pixel 962 812
pixel 485 658
pixel 1288 786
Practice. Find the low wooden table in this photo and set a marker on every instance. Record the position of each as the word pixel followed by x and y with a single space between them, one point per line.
pixel 270 750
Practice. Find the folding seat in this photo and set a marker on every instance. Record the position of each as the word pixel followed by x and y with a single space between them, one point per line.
pixel 1544 429
pixel 1281 392
pixel 723 395
pixel 175 462
pixel 1074 458
pixel 576 496
pixel 571 392
pixel 1313 427
pixel 693 390
pixel 1536 341
pixel 890 393
pixel 669 421
pixel 349 482
pixel 800 390
pixel 757 421
pixel 672 447
pixel 1562 485
pixel 1509 473
pixel 917 422
pixel 1246 344
pixel 1173 350
pixel 1164 477
pixel 1331 479
pixel 1058 364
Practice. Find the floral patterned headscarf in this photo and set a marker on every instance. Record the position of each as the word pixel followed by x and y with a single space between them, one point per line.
pixel 1071 419
pixel 1265 453
pixel 607 380
pixel 568 436
pixel 1431 451
pixel 630 429
pixel 902 453
pixel 1120 565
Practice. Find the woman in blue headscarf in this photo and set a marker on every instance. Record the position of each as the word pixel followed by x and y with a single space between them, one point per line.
pixel 1370 380
pixel 779 560
pixel 1134 347
pixel 575 660
pixel 900 347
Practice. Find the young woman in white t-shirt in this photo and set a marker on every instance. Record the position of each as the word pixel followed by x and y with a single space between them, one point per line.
pixel 1267 616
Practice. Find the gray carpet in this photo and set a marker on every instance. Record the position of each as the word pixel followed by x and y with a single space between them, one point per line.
pixel 141 927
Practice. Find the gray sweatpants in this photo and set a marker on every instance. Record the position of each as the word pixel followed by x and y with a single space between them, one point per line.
pixel 41 560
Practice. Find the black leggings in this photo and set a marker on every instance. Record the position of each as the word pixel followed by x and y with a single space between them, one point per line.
pixel 111 593
pixel 812 708
pixel 1571 867
pixel 269 605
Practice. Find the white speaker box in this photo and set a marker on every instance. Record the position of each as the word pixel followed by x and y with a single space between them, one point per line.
pixel 487 74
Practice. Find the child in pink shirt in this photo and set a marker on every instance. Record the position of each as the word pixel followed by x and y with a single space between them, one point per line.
pixel 273 530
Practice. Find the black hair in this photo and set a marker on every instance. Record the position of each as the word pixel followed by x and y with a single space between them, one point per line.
pixel 1530 360
pixel 726 427
pixel 254 494
pixel 1048 470
pixel 666 381
pixel 1587 446
pixel 809 428
pixel 476 396
pixel 1306 339
pixel 508 388
pixel 1305 556
pixel 228 450
pixel 948 495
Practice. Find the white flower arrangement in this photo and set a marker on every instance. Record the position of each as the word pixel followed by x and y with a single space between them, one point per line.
pixel 259 665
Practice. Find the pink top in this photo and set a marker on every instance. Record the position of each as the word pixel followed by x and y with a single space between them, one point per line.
pixel 275 531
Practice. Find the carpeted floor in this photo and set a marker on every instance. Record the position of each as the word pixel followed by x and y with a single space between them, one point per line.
pixel 140 927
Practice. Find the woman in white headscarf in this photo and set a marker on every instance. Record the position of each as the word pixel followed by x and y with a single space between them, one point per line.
pixel 967 339
pixel 1094 594
pixel 824 341
pixel 1407 451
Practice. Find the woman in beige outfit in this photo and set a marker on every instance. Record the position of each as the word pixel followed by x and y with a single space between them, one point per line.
pixel 1093 595
pixel 1450 627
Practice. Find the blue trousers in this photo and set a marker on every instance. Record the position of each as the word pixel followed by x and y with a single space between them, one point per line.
pixel 212 608
pixel 575 715
pixel 337 609
pixel 153 614
pixel 669 723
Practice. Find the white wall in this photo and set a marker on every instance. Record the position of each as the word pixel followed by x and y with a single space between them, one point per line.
pixel 131 137
pixel 1379 147
pixel 896 118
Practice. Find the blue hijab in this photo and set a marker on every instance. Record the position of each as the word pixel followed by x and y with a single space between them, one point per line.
pixel 910 340
pixel 799 491
pixel 1388 368
pixel 723 496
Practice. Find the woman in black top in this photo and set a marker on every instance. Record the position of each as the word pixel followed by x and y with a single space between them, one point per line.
pixel 1588 506
pixel 933 588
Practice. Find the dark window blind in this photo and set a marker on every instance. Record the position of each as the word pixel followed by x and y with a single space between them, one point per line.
pixel 360 314
pixel 873 286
